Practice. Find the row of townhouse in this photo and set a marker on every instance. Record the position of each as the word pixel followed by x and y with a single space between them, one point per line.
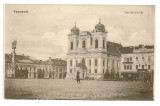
pixel 25 67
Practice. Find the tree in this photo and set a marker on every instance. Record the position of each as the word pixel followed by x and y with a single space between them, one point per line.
pixel 112 73
pixel 106 75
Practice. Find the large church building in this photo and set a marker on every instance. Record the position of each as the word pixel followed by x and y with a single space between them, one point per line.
pixel 90 53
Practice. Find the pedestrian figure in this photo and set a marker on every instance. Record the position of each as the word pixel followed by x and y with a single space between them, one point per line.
pixel 78 78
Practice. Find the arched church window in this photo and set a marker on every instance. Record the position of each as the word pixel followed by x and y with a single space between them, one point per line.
pixel 96 43
pixel 95 62
pixel 103 43
pixel 71 47
pixel 84 44
pixel 91 40
pixel 71 63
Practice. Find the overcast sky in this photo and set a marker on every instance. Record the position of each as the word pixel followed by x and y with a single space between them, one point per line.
pixel 43 32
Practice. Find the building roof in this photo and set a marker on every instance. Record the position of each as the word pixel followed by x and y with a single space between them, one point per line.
pixel 75 30
pixel 100 27
pixel 112 48
pixel 84 33
pixel 19 59
pixel 142 46
pixel 55 62
pixel 124 50
pixel 131 49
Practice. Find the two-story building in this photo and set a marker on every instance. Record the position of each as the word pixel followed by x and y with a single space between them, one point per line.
pixel 52 69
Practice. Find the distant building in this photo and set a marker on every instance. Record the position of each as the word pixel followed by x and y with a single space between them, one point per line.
pixel 53 68
pixel 94 51
pixel 24 66
pixel 137 62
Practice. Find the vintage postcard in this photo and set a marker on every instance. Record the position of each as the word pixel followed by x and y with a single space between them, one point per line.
pixel 79 52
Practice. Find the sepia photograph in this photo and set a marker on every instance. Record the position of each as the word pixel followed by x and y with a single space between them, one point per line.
pixel 79 52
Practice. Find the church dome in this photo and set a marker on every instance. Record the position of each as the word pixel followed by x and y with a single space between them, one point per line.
pixel 75 31
pixel 100 27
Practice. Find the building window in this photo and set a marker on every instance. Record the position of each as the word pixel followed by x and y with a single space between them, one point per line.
pixel 71 63
pixel 96 43
pixel 95 70
pixel 90 62
pixel 149 67
pixel 142 58
pixel 71 46
pixel 103 62
pixel 103 43
pixel 142 66
pixel 89 70
pixel 137 67
pixel 130 58
pixel 70 70
pixel 130 67
pixel 84 44
pixel 95 62
pixel 124 67
pixel 149 58
pixel 103 71
pixel 127 66
pixel 91 41
pixel 127 59
pixel 60 70
pixel 137 58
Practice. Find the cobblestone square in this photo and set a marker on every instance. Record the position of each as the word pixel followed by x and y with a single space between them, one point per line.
pixel 69 89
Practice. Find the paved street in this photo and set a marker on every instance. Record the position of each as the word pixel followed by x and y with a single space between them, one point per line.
pixel 69 89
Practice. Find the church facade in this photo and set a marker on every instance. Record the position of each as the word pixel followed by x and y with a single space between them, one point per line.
pixel 90 53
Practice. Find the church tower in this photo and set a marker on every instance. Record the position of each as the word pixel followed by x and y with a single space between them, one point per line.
pixel 87 52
